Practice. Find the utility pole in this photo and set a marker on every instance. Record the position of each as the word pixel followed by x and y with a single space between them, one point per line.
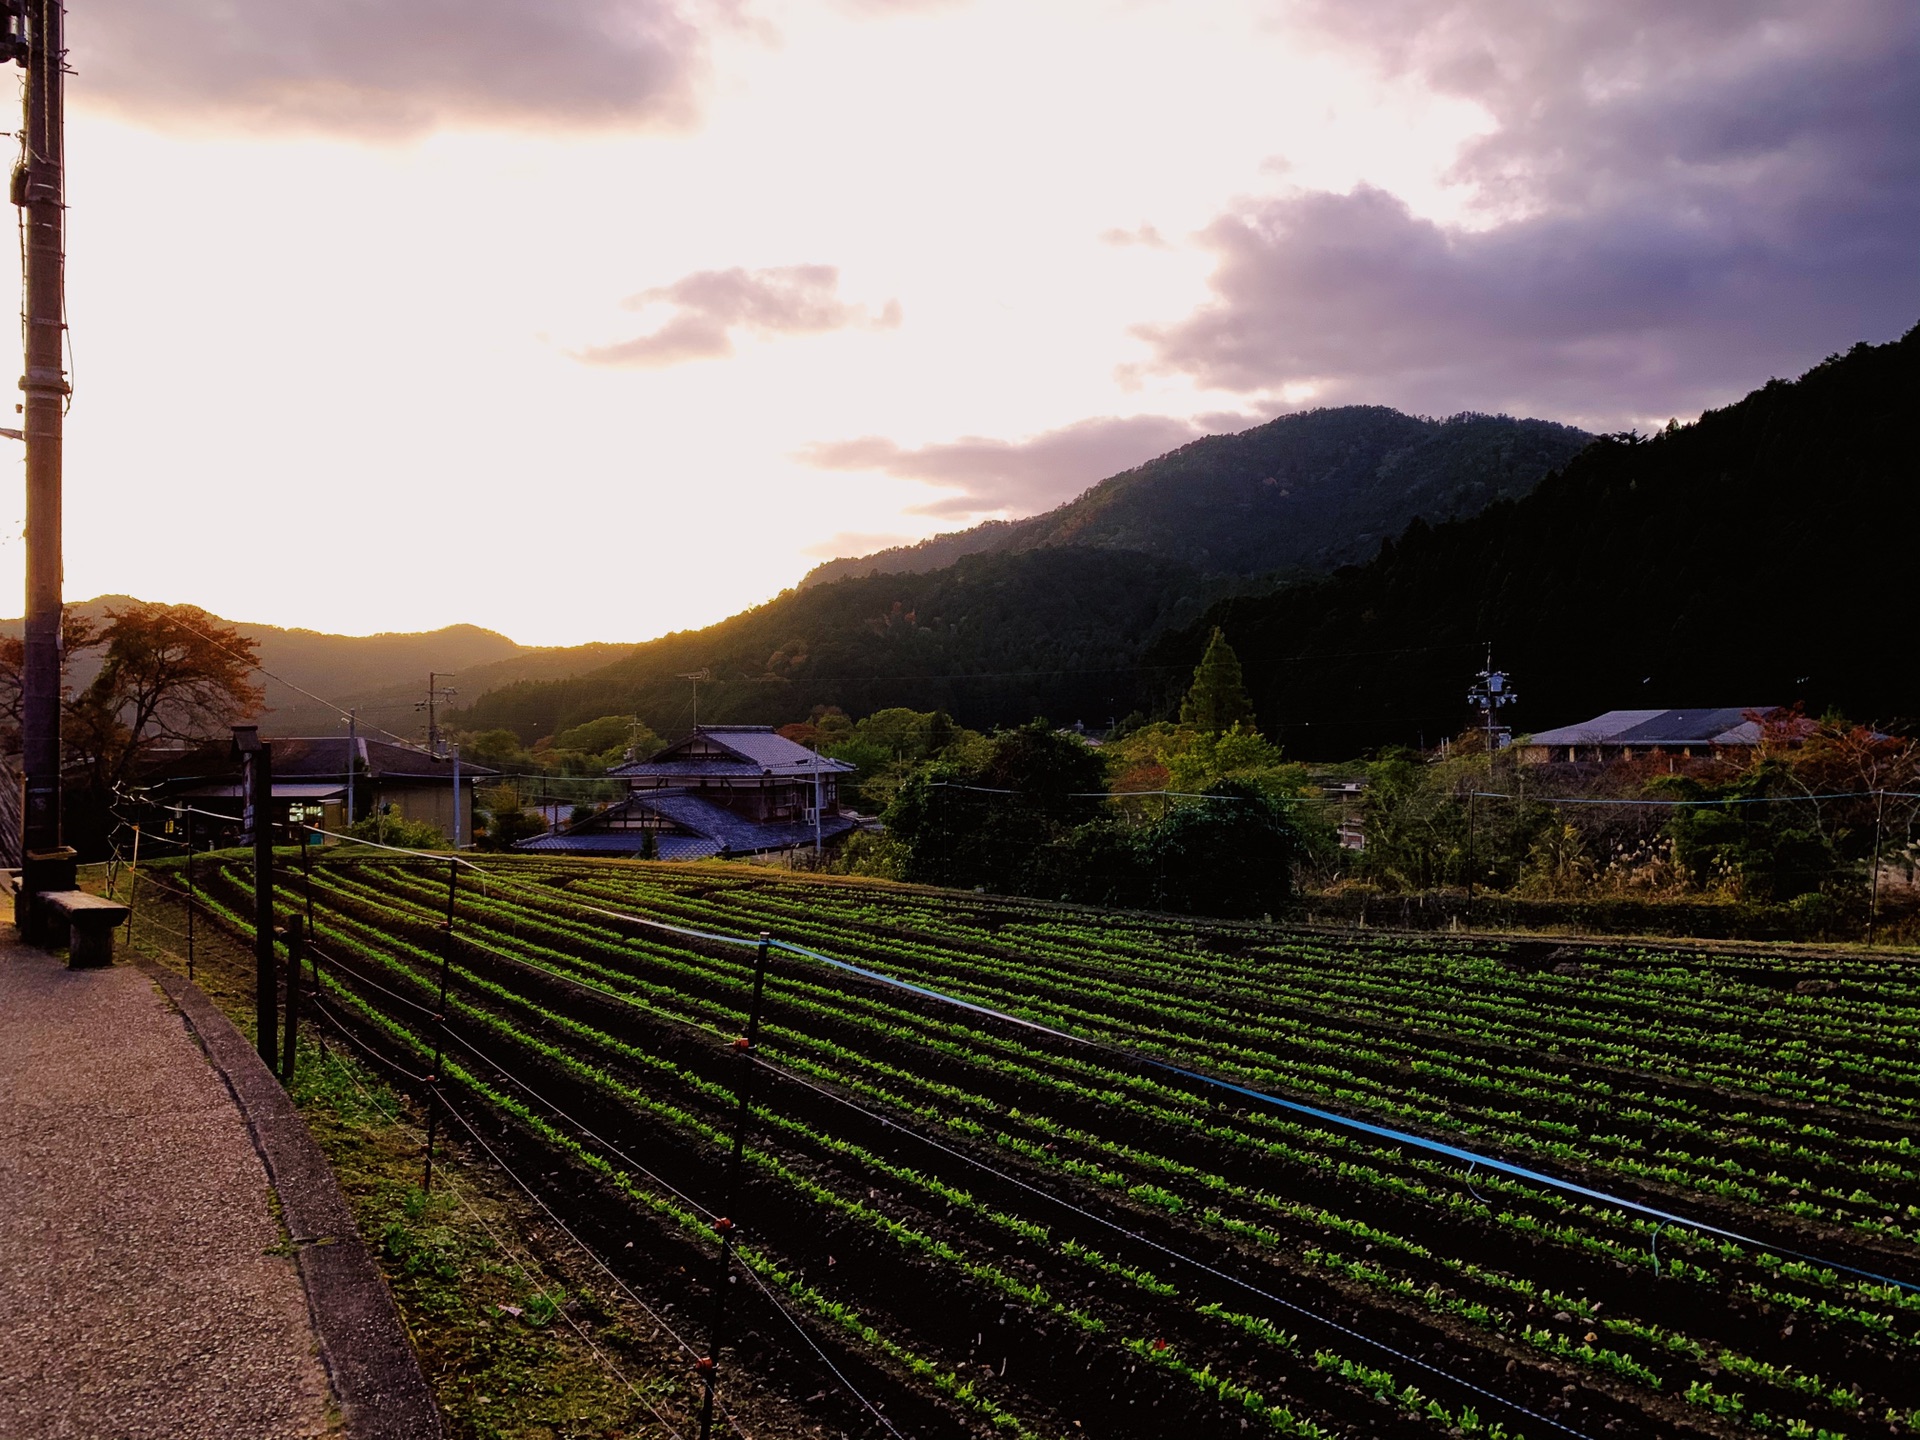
pixel 696 676
pixel 435 692
pixel 816 805
pixel 1492 692
pixel 38 187
pixel 353 757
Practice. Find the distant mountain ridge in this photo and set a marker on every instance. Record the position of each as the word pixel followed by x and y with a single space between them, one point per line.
pixel 1305 493
pixel 1761 555
pixel 381 675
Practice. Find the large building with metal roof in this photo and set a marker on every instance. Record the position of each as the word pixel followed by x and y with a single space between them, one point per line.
pixel 1717 734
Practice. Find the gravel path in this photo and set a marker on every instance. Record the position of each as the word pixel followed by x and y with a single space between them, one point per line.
pixel 146 1288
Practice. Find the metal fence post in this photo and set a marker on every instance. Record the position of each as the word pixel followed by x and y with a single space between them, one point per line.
pixel 296 953
pixel 440 1024
pixel 745 1046
pixel 190 895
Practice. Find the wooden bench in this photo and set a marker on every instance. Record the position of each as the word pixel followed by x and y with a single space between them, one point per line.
pixel 89 921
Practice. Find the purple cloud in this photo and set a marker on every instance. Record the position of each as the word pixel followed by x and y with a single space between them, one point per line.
pixel 710 305
pixel 1682 200
pixel 383 68
pixel 1022 476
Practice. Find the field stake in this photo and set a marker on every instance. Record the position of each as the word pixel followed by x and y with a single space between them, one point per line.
pixel 1873 892
pixel 306 879
pixel 744 1048
pixel 1470 800
pixel 190 895
pixel 133 874
pixel 440 1024
pixel 296 952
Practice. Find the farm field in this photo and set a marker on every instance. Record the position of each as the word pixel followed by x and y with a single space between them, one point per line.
pixel 1060 1224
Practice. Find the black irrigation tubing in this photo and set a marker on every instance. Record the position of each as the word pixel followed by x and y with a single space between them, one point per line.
pixel 1395 1353
pixel 1682 804
pixel 1329 1117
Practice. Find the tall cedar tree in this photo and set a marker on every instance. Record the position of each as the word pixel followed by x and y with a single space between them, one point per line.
pixel 1218 700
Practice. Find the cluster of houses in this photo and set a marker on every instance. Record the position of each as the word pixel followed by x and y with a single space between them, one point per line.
pixel 724 791
pixel 729 791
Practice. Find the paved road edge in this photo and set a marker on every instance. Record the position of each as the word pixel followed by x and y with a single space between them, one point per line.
pixel 376 1375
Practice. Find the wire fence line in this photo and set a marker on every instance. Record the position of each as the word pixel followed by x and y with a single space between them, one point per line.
pixel 551 897
pixel 428 1083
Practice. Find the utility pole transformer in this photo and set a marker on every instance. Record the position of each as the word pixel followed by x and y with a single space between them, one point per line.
pixel 38 187
pixel 436 692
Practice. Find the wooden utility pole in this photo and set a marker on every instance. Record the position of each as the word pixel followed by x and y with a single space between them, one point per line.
pixel 256 759
pixel 38 185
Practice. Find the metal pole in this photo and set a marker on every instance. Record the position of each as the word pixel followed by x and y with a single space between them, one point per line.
pixel 816 806
pixel 440 1025
pixel 296 953
pixel 1873 900
pixel 1470 799
pixel 266 968
pixel 190 895
pixel 353 757
pixel 306 876
pixel 39 189
pixel 746 1046
pixel 133 875
pixel 456 795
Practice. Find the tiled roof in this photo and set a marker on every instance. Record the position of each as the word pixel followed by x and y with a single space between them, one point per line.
pixel 1724 726
pixel 755 750
pixel 322 757
pixel 327 755
pixel 621 844
pixel 713 824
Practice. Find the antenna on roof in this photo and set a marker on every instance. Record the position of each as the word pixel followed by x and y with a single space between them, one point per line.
pixel 696 676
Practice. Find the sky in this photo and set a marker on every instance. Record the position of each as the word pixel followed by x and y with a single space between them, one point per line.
pixel 595 319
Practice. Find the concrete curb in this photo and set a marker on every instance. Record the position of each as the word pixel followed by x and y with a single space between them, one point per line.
pixel 376 1375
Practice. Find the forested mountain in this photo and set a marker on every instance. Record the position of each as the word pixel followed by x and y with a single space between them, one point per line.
pixel 1763 555
pixel 1304 493
pixel 991 639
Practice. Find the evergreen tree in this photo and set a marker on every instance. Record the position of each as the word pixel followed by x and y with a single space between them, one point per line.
pixel 1218 700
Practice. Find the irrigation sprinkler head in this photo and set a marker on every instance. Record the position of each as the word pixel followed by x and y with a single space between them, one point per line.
pixel 723 1225
pixel 742 1043
pixel 704 1365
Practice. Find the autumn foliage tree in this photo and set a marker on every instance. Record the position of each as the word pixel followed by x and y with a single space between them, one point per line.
pixel 170 677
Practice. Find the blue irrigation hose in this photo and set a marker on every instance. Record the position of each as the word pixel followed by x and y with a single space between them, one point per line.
pixel 1313 1112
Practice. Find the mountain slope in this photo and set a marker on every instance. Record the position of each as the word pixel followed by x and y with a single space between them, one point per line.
pixel 990 639
pixel 1305 492
pixel 1762 555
